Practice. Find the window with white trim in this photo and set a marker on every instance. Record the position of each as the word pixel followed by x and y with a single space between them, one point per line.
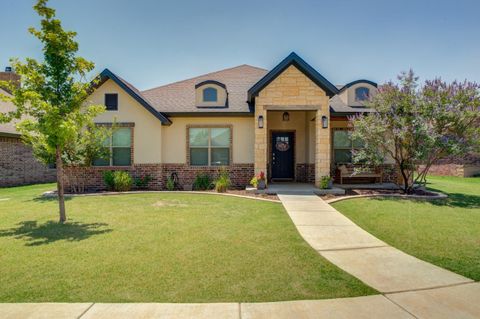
pixel 209 146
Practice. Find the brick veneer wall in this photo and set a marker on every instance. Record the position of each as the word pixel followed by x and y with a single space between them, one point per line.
pixel 305 173
pixel 19 167
pixel 464 167
pixel 240 174
pixel 78 179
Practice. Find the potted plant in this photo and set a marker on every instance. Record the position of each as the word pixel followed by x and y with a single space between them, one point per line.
pixel 258 181
pixel 326 182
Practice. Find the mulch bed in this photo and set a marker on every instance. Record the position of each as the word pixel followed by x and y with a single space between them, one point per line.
pixel 352 192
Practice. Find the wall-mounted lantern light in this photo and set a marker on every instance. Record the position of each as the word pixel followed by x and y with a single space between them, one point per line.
pixel 260 121
pixel 324 121
pixel 286 116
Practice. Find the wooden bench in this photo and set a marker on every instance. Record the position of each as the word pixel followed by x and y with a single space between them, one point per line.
pixel 349 172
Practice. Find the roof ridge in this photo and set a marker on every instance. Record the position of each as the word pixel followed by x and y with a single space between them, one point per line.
pixel 203 75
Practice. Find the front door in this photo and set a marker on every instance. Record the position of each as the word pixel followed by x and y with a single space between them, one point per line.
pixel 282 155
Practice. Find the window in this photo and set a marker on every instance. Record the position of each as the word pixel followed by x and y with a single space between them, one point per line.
pixel 343 145
pixel 111 101
pixel 209 146
pixel 210 95
pixel 120 145
pixel 362 94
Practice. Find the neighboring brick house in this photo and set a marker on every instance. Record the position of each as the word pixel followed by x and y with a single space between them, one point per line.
pixel 466 167
pixel 17 164
pixel 289 122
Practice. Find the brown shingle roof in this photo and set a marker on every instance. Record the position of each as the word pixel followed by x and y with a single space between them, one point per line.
pixel 179 97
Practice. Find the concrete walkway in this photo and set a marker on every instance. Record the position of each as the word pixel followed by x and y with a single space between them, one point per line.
pixel 414 285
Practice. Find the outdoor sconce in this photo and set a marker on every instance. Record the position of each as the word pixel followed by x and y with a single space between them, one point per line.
pixel 260 121
pixel 324 121
pixel 286 116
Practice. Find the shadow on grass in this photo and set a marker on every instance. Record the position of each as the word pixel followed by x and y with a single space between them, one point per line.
pixel 47 199
pixel 41 234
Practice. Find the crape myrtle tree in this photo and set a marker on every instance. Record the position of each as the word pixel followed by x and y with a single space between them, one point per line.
pixel 418 125
pixel 51 102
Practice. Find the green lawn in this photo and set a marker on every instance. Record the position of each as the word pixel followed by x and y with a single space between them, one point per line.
pixel 445 233
pixel 158 247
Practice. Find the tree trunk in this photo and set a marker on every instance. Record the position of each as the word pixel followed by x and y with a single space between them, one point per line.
pixel 60 190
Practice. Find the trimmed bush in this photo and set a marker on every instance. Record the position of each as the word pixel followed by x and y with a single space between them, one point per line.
pixel 108 180
pixel 142 182
pixel 122 181
pixel 119 181
pixel 202 182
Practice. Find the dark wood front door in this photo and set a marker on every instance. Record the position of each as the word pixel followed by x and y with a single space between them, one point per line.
pixel 282 155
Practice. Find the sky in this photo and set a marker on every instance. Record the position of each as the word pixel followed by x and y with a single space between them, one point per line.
pixel 151 43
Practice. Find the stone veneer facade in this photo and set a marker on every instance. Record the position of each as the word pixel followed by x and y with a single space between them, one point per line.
pixel 293 90
pixel 19 167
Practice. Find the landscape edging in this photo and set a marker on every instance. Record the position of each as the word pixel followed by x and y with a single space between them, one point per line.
pixel 404 196
pixel 52 194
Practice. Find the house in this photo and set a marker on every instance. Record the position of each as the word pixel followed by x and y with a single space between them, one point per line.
pixel 18 166
pixel 289 122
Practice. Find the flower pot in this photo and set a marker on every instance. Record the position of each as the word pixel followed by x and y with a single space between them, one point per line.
pixel 261 184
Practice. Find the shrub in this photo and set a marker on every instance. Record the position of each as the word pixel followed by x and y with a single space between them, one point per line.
pixel 202 182
pixel 222 183
pixel 170 184
pixel 142 182
pixel 122 181
pixel 254 181
pixel 108 180
pixel 325 182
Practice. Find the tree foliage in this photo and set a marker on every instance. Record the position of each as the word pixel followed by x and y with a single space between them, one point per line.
pixel 51 101
pixel 418 125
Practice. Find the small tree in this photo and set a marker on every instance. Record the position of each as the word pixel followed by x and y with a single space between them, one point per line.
pixel 418 126
pixel 50 101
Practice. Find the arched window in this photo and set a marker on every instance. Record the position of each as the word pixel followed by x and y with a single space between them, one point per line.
pixel 210 95
pixel 362 94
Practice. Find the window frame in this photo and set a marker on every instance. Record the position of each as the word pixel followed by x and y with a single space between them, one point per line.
pixel 351 148
pixel 111 147
pixel 209 146
pixel 357 99
pixel 114 108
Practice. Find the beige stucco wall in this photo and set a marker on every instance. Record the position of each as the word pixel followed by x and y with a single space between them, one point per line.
pixel 147 130
pixel 174 137
pixel 294 90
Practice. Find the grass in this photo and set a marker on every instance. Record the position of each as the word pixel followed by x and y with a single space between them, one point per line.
pixel 445 233
pixel 158 248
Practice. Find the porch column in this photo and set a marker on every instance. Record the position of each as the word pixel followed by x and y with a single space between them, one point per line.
pixel 322 143
pixel 261 140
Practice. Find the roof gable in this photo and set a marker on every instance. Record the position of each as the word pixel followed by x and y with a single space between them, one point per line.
pixel 133 92
pixel 300 64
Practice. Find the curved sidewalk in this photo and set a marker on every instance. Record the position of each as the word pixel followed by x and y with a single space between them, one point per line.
pixel 423 289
